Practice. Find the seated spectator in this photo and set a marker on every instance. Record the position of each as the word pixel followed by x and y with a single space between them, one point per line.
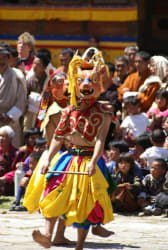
pixel 156 151
pixel 136 122
pixel 124 198
pixel 152 185
pixel 115 148
pixel 161 202
pixel 7 179
pixel 39 146
pixel 160 108
pixel 7 155
pixel 142 142
pixel 165 129
pixel 33 160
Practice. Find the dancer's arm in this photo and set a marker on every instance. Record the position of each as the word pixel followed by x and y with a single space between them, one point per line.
pixel 99 146
pixel 55 146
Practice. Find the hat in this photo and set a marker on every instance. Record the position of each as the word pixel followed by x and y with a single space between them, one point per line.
pixel 40 141
pixel 4 51
pixel 31 131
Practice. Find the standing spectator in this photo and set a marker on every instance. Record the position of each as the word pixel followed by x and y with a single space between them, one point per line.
pixel 121 70
pixel 12 96
pixel 130 52
pixel 93 41
pixel 13 57
pixel 65 57
pixel 140 82
pixel 35 86
pixel 25 49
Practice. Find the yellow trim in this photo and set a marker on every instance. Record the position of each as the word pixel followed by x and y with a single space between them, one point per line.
pixel 69 14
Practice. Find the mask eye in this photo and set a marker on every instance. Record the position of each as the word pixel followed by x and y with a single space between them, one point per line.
pixel 60 81
pixel 79 80
pixel 94 78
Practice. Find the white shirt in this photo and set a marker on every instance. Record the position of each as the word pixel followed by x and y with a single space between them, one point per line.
pixel 152 153
pixel 136 124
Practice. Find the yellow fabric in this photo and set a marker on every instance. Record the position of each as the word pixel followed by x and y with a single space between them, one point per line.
pixel 69 14
pixel 74 64
pixel 76 196
pixel 36 186
pixel 53 109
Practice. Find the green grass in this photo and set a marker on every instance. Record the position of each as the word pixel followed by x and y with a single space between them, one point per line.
pixel 6 201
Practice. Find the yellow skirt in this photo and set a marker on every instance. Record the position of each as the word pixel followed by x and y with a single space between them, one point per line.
pixel 75 196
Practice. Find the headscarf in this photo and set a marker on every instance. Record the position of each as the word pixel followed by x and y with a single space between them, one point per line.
pixel 161 64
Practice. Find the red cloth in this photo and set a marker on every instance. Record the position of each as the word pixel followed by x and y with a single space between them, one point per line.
pixel 6 158
pixel 87 122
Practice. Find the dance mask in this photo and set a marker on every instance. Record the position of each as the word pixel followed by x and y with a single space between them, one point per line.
pixel 56 90
pixel 85 80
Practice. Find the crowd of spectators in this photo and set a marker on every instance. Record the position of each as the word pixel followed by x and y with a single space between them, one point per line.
pixel 136 148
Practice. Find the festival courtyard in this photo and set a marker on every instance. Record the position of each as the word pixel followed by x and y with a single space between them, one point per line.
pixel 131 232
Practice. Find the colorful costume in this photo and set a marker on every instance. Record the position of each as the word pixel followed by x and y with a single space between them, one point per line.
pixel 80 198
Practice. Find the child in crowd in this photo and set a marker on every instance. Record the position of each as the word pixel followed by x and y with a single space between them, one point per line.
pixel 33 160
pixel 165 129
pixel 159 109
pixel 115 148
pixel 161 202
pixel 142 142
pixel 152 184
pixel 30 136
pixel 39 146
pixel 136 122
pixel 156 151
pixel 124 198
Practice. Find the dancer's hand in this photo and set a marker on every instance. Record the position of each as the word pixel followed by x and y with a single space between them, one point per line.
pixel 91 169
pixel 45 167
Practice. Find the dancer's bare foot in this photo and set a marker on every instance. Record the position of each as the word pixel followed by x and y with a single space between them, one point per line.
pixel 41 239
pixel 62 241
pixel 101 231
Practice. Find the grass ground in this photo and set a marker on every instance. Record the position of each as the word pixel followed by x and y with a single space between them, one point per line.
pixel 6 201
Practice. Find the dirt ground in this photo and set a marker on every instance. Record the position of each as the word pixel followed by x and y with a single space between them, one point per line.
pixel 131 232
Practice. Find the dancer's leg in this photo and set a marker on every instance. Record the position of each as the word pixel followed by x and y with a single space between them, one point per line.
pixel 59 238
pixel 82 233
pixel 101 231
pixel 45 239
